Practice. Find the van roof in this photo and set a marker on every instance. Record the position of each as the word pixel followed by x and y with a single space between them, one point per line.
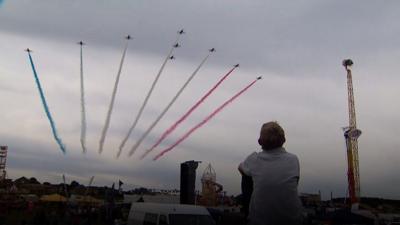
pixel 169 208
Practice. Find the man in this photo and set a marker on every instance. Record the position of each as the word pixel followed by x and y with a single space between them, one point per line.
pixel 275 174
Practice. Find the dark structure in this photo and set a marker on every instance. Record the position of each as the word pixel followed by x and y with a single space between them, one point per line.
pixel 3 160
pixel 247 190
pixel 188 182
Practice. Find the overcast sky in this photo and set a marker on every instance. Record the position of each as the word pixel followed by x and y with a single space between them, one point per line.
pixel 297 46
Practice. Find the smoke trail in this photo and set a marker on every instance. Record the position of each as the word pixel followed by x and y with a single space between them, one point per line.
pixel 65 186
pixel 204 121
pixel 83 111
pixel 107 123
pixel 91 181
pixel 138 142
pixel 89 185
pixel 169 56
pixel 45 106
pixel 198 103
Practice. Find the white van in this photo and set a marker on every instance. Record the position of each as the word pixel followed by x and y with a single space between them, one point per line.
pixel 168 214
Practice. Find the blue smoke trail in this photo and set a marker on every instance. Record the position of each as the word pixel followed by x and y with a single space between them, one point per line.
pixel 46 108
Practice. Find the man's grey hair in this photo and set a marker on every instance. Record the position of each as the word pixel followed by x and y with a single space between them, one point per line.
pixel 272 135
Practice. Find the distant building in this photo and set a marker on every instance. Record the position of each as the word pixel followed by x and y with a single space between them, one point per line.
pixel 310 199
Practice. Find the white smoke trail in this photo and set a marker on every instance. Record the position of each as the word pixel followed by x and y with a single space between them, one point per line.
pixel 138 142
pixel 89 185
pixel 83 111
pixel 107 123
pixel 148 96
pixel 91 181
pixel 65 186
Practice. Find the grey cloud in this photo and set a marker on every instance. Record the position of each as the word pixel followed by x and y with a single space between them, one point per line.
pixel 292 38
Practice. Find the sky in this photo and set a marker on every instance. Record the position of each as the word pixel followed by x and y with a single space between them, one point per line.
pixel 296 46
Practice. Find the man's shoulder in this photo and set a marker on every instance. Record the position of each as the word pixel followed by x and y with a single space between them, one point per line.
pixel 265 154
pixel 291 155
pixel 252 156
pixel 247 165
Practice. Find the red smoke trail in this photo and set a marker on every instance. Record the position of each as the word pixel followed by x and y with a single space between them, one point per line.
pixel 209 117
pixel 198 103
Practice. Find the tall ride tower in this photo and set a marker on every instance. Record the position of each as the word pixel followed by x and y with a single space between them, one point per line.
pixel 351 134
pixel 210 188
pixel 3 159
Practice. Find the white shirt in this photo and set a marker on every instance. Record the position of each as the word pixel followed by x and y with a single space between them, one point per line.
pixel 275 176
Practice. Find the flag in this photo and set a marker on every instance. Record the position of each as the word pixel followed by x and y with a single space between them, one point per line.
pixel 120 183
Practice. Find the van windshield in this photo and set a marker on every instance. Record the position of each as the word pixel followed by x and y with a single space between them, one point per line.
pixel 188 219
